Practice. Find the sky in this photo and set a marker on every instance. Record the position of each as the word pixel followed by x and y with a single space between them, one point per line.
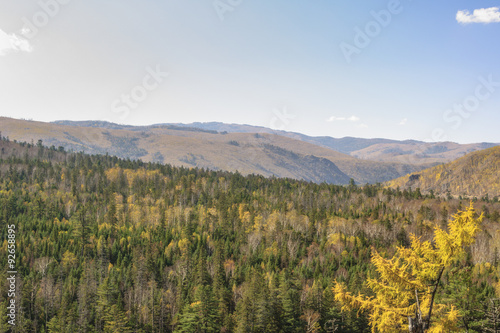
pixel 408 69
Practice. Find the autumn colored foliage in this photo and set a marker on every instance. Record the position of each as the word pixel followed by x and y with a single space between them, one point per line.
pixel 406 285
pixel 117 245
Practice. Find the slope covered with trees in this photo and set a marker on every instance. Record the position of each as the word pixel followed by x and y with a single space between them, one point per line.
pixel 475 175
pixel 267 154
pixel 112 245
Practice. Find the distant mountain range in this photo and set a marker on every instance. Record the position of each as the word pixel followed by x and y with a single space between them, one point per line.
pixel 382 150
pixel 476 174
pixel 244 148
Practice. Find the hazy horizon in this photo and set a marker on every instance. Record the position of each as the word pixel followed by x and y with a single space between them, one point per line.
pixel 242 124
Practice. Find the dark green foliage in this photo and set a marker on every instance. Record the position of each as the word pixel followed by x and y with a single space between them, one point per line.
pixel 112 245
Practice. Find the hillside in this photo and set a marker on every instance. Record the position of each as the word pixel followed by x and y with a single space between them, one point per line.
pixel 345 145
pixel 419 152
pixel 111 245
pixel 265 154
pixel 474 175
pixel 382 150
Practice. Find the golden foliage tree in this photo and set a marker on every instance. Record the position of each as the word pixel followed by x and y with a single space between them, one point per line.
pixel 407 284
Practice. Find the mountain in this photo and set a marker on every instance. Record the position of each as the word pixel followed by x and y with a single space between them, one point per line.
pixel 419 152
pixel 267 154
pixel 475 175
pixel 345 145
pixel 382 150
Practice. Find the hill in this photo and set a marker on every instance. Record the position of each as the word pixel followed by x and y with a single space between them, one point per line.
pixel 382 150
pixel 345 145
pixel 419 152
pixel 266 154
pixel 474 175
pixel 104 244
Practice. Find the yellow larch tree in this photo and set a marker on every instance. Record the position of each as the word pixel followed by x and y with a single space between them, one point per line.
pixel 404 292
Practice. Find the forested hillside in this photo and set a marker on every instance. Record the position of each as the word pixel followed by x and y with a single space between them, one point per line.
pixel 112 245
pixel 475 175
pixel 265 154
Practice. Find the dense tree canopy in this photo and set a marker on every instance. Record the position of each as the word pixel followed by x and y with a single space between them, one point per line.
pixel 112 245
pixel 406 288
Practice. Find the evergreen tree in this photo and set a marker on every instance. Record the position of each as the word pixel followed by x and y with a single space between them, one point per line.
pixel 290 299
pixel 4 325
pixel 116 320
pixel 201 315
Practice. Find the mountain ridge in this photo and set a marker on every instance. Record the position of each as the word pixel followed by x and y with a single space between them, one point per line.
pixel 219 146
pixel 375 149
pixel 246 153
pixel 477 174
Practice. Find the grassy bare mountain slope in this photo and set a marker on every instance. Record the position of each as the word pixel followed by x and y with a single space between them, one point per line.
pixel 382 150
pixel 345 145
pixel 266 154
pixel 476 174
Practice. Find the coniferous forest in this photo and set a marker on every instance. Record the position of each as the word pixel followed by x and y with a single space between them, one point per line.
pixel 111 245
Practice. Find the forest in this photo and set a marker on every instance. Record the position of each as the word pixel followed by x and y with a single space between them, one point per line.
pixel 117 245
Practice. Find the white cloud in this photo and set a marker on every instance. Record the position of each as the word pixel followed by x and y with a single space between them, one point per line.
pixel 13 43
pixel 482 15
pixel 333 118
pixel 403 121
pixel 363 126
pixel 351 118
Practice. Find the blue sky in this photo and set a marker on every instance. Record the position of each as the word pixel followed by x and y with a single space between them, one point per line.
pixel 396 69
